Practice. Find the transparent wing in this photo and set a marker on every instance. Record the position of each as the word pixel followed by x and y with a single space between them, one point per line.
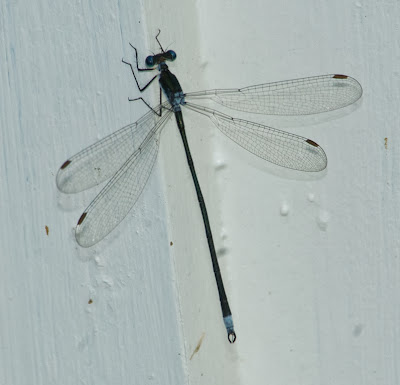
pixel 116 199
pixel 276 146
pixel 291 97
pixel 104 158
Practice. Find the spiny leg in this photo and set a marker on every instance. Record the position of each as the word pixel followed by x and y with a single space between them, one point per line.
pixel 141 89
pixel 148 105
pixel 137 61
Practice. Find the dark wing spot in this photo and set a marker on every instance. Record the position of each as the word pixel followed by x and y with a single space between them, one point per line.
pixel 309 141
pixel 83 216
pixel 340 76
pixel 65 164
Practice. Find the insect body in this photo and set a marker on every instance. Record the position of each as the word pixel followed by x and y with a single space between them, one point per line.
pixel 128 155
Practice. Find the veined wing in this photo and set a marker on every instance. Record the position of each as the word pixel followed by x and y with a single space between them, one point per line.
pixel 103 159
pixel 291 97
pixel 116 199
pixel 276 146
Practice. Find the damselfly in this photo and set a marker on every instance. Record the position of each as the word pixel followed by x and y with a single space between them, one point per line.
pixel 128 155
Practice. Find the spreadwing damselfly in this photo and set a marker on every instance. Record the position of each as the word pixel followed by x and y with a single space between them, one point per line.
pixel 127 156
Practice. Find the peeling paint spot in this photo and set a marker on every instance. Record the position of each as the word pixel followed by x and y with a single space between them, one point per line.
pixel 198 346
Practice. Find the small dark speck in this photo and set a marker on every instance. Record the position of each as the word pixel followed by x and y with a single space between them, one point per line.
pixel 220 166
pixel 90 301
pixel 47 229
pixel 357 330
pixel 222 251
pixel 171 243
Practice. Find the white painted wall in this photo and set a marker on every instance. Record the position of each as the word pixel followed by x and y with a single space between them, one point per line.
pixel 314 293
pixel 63 87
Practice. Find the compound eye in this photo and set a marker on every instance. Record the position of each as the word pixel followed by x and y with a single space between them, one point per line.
pixel 172 55
pixel 150 61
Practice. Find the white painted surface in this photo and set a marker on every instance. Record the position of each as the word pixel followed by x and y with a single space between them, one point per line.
pixel 63 87
pixel 311 265
pixel 315 293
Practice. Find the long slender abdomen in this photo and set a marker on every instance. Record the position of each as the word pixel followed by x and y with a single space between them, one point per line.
pixel 179 120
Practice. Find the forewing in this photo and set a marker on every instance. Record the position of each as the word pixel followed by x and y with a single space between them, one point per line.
pixel 304 96
pixel 104 158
